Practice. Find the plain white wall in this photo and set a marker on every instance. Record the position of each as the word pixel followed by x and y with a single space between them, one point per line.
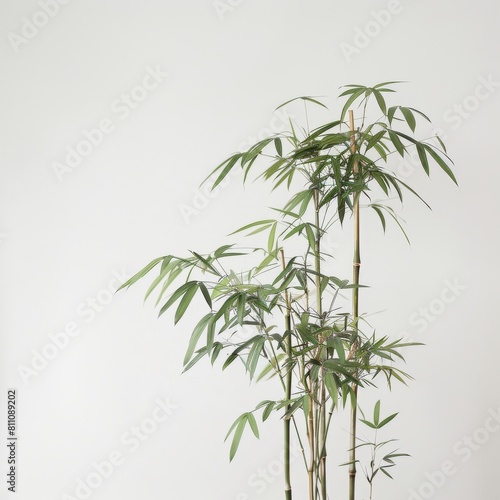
pixel 66 239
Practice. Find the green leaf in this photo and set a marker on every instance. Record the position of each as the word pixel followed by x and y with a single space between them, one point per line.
pixel 368 423
pixel 331 386
pixel 380 214
pixel 238 427
pixel 441 162
pixel 386 420
pixel 255 150
pixel 268 410
pixel 409 117
pixel 303 98
pixel 227 167
pixel 186 300
pixel 279 146
pixel 254 355
pixel 397 142
pixel 423 158
pixel 357 93
pixel 253 424
pixel 145 270
pixel 195 336
pixel 165 269
pixel 264 224
pixel 380 101
pixel 272 238
pixel 206 263
pixel 241 307
pixel 385 472
pixel 387 83
pixel 321 130
pixel 177 294
pixel 390 113
pixel 421 114
pixel 205 293
pixel 201 353
pixel 217 348
pixel 311 237
pixel 376 413
pixel 375 139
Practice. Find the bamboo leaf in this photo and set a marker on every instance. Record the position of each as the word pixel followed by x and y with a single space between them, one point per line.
pixel 268 410
pixel 386 420
pixel 368 423
pixel 226 168
pixel 261 225
pixel 383 469
pixel 380 214
pixel 380 100
pixel 423 158
pixel 304 98
pixel 374 139
pixel 176 295
pixel 437 158
pixel 238 427
pixel 216 349
pixel 254 356
pixel 253 424
pixel 376 413
pixel 279 146
pixel 355 94
pixel 331 386
pixel 241 307
pixel 311 237
pixel 195 336
pixel 186 300
pixel 145 270
pixel 397 142
pixel 165 269
pixel 409 117
pixel 205 293
pixel 321 130
pixel 379 85
pixel 201 353
pixel 272 238
pixel 420 113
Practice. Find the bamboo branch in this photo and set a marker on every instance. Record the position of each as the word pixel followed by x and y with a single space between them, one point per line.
pixel 355 314
pixel 288 391
pixel 321 441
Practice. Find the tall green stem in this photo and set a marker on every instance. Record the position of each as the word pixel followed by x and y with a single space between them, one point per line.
pixel 321 448
pixel 355 314
pixel 288 393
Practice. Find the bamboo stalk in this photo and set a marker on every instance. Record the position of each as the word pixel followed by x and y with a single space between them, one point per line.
pixel 288 393
pixel 321 445
pixel 355 315
pixel 311 444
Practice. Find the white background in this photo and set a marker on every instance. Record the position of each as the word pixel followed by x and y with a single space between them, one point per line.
pixel 224 67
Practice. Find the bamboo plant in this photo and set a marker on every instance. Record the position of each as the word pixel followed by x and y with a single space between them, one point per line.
pixel 322 351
